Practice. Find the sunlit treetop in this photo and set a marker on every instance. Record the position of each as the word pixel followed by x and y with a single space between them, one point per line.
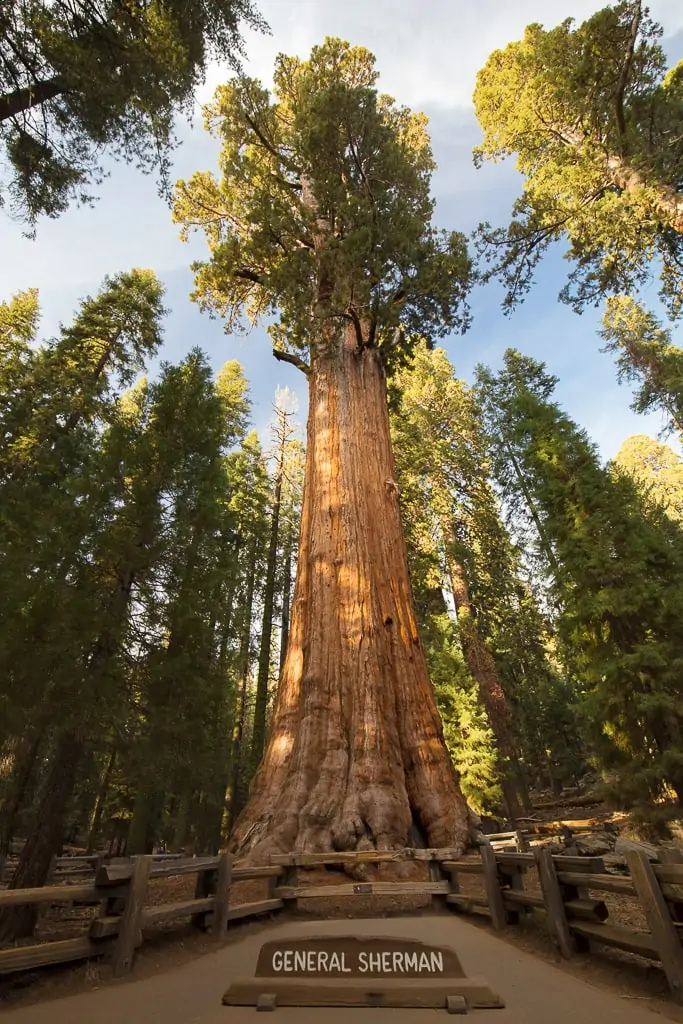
pixel 322 212
pixel 595 120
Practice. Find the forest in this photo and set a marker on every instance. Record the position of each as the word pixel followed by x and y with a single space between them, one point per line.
pixel 435 598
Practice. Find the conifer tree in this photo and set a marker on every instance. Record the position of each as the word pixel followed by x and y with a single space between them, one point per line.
pixel 619 589
pixel 324 216
pixel 594 116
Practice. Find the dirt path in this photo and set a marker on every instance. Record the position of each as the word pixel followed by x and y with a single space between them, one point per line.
pixel 535 992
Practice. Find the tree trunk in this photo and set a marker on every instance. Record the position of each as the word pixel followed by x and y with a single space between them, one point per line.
pixel 96 820
pixel 261 703
pixel 356 747
pixel 244 659
pixel 484 672
pixel 25 766
pixel 286 598
pixel 46 838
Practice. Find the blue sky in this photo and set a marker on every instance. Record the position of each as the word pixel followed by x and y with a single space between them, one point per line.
pixel 428 55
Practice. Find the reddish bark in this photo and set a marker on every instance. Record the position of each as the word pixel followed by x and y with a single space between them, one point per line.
pixel 356 748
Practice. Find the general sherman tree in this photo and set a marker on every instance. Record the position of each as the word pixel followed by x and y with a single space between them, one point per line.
pixel 322 218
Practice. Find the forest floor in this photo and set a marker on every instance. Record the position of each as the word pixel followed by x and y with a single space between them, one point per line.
pixel 171 944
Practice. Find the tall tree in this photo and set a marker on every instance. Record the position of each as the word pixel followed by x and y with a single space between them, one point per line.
pixel 619 590
pixel 439 440
pixel 594 118
pixel 324 215
pixel 88 75
pixel 646 356
pixel 281 437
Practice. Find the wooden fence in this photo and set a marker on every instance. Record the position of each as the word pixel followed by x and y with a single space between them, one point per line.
pixel 569 894
pixel 120 890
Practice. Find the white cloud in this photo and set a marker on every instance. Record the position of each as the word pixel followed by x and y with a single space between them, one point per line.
pixel 428 53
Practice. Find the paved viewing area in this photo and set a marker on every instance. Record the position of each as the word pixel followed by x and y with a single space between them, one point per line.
pixel 534 992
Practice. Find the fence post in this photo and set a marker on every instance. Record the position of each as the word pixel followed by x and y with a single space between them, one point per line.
pixel 132 916
pixel 554 901
pixel 658 918
pixel 494 892
pixel 220 914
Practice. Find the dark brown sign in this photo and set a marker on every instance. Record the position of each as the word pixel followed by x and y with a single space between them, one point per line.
pixel 347 957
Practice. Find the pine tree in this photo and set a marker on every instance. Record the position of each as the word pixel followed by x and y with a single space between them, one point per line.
pixel 593 116
pixel 647 356
pixel 619 590
pixel 91 74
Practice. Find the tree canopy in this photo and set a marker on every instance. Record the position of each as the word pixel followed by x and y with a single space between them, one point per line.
pixel 594 117
pixel 85 76
pixel 323 211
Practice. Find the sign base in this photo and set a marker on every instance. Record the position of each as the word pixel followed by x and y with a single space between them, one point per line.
pixel 457 995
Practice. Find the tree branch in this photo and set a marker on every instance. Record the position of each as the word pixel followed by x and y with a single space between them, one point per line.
pixel 623 78
pixel 249 275
pixel 287 357
pixel 13 103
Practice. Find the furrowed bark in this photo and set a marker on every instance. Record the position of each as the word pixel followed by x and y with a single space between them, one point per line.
pixel 356 747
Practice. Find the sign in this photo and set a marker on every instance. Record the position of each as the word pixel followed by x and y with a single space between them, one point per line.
pixel 344 956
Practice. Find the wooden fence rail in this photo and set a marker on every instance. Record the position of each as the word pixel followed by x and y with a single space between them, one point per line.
pixel 569 893
pixel 121 891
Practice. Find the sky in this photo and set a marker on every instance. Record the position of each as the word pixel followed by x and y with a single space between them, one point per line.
pixel 428 55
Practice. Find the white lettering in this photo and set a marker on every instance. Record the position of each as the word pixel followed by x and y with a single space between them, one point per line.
pixel 310 960
pixel 411 961
pixel 299 960
pixel 437 961
pixel 362 962
pixel 386 961
pixel 288 960
pixel 375 960
pixel 424 962
pixel 323 957
pixel 345 969
pixel 277 960
pixel 398 962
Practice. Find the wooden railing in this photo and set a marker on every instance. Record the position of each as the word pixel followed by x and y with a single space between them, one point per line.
pixel 121 889
pixel 569 893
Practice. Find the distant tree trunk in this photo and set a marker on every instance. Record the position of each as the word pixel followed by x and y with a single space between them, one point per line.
pixel 46 838
pixel 484 672
pixel 356 746
pixel 96 819
pixel 261 703
pixel 244 660
pixel 26 761
pixel 286 598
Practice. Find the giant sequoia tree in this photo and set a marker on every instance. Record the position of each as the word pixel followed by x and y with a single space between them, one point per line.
pixel 323 217
pixel 595 120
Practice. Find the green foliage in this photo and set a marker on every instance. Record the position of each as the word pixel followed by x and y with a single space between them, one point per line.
pixel 594 119
pixel 657 470
pixel 451 512
pixel 646 355
pixel 94 75
pixel 466 729
pixel 619 584
pixel 323 205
